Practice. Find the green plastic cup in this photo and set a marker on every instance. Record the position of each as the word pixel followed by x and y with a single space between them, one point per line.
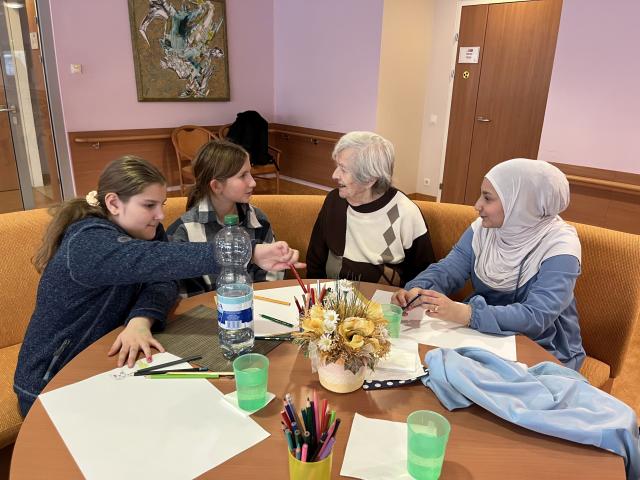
pixel 393 315
pixel 427 435
pixel 252 372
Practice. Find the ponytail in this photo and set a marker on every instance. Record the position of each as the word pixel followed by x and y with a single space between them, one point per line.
pixel 64 215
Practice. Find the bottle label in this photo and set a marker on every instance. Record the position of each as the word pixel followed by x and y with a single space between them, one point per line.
pixel 235 312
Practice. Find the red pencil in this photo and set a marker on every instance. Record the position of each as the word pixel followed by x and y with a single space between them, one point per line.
pixel 324 290
pixel 285 417
pixel 295 273
pixel 298 305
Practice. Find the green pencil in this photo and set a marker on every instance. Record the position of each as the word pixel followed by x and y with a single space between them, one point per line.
pixel 275 320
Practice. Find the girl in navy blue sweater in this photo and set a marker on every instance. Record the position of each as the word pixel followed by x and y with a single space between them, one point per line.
pixel 105 263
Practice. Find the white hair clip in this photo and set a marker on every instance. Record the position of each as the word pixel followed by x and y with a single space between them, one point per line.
pixel 92 198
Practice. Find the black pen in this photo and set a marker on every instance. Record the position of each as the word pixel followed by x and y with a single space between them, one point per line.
pixel 412 300
pixel 168 364
pixel 177 370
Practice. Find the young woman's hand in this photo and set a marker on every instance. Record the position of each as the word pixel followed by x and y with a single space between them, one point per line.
pixel 135 337
pixel 276 256
pixel 438 305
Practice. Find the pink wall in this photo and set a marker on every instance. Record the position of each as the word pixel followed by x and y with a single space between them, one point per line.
pixel 96 34
pixel 326 63
pixel 592 110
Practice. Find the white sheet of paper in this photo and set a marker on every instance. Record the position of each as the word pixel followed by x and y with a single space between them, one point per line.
pixel 285 313
pixel 402 363
pixel 141 428
pixel 382 459
pixel 440 333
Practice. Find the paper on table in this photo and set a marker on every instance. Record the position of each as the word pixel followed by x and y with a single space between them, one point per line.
pixel 137 428
pixel 384 458
pixel 440 333
pixel 402 363
pixel 285 313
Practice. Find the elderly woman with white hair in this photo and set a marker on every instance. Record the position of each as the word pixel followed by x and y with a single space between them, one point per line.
pixel 366 229
pixel 523 261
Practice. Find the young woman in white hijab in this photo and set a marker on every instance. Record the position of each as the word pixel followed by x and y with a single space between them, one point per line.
pixel 522 258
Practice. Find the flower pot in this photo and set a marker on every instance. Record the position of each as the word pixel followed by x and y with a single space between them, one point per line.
pixel 335 378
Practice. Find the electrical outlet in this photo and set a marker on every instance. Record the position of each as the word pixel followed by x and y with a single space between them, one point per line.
pixel 426 182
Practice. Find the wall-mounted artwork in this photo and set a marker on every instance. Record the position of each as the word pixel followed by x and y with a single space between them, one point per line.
pixel 180 49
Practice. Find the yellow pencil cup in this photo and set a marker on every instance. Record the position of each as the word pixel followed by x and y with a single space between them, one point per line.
pixel 310 470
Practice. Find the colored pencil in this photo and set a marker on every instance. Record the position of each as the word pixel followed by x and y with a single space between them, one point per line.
pixel 276 320
pixel 143 371
pixel 272 300
pixel 410 302
pixel 295 273
pixel 178 370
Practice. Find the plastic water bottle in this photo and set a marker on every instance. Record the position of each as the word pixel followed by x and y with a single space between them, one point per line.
pixel 234 290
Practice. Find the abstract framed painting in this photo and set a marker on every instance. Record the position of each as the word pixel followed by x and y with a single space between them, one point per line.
pixel 180 50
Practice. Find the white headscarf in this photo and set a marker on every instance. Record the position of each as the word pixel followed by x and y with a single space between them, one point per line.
pixel 533 193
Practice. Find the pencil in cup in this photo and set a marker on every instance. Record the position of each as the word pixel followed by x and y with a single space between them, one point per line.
pixel 297 275
pixel 310 441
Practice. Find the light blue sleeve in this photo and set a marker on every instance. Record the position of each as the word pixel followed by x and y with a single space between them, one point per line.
pixel 449 274
pixel 549 295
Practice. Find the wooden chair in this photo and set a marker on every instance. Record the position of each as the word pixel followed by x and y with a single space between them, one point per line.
pixel 259 171
pixel 187 140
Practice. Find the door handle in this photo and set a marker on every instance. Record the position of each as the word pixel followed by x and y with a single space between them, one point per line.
pixel 4 108
pixel 483 119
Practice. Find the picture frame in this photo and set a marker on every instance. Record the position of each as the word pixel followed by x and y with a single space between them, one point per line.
pixel 180 50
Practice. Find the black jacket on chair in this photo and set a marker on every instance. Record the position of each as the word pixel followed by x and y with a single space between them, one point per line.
pixel 251 131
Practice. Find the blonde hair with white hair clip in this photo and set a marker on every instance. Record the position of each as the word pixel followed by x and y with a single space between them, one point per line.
pixel 373 158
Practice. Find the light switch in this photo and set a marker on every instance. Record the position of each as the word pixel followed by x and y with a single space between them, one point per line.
pixel 76 68
pixel 433 119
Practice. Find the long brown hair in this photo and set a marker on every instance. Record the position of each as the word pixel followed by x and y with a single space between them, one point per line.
pixel 217 160
pixel 126 177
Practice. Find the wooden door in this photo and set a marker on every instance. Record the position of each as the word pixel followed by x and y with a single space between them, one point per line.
pixel 498 107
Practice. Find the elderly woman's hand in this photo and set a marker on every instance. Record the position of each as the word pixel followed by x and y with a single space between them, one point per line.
pixel 438 305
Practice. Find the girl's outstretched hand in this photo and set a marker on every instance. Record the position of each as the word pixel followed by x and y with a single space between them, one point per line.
pixel 276 256
pixel 135 337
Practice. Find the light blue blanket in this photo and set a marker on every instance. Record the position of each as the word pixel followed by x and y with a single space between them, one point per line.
pixel 546 398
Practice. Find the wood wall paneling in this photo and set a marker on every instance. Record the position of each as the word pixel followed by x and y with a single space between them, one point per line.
pixel 604 206
pixel 10 201
pixel 89 159
pixel 306 155
pixel 306 152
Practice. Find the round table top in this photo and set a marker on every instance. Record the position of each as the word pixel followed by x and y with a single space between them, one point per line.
pixel 480 445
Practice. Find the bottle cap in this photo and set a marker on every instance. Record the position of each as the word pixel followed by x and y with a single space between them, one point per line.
pixel 231 219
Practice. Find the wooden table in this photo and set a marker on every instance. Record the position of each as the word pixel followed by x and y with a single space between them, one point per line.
pixel 481 445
